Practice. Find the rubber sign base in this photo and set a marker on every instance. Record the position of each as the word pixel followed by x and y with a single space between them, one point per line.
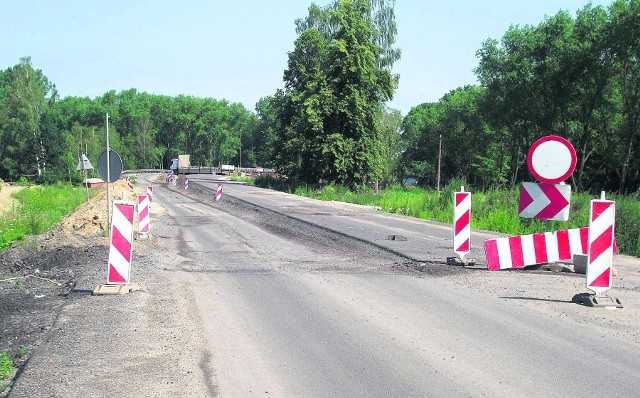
pixel 462 262
pixel 593 300
pixel 115 289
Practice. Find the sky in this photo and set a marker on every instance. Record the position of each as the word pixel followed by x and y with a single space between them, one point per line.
pixel 237 50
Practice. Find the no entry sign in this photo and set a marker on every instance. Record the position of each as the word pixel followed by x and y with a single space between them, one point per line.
pixel 551 159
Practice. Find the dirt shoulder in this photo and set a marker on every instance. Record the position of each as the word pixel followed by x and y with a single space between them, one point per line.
pixel 39 273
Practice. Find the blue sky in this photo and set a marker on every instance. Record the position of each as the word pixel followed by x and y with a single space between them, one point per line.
pixel 238 49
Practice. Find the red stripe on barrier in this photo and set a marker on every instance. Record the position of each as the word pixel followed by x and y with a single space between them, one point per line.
pixel 603 280
pixel 460 196
pixel 491 251
pixel 601 244
pixel 584 239
pixel 464 247
pixel 517 258
pixel 126 210
pixel 114 276
pixel 121 244
pixel 599 208
pixel 564 246
pixel 540 248
pixel 462 222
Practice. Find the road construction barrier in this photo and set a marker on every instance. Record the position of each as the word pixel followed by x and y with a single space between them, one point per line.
pixel 541 248
pixel 150 194
pixel 186 183
pixel 461 222
pixel 601 245
pixel 144 223
pixel 129 184
pixel 219 191
pixel 120 249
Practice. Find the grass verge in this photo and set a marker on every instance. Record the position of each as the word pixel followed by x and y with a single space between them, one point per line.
pixel 38 208
pixel 495 210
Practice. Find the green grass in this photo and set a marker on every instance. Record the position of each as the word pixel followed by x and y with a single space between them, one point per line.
pixel 6 367
pixel 246 180
pixel 495 210
pixel 38 208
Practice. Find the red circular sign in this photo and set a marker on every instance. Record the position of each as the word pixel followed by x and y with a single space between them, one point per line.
pixel 551 159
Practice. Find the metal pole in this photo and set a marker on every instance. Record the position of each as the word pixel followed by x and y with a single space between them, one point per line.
pixel 439 162
pixel 108 182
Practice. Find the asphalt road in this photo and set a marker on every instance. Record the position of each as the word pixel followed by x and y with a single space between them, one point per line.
pixel 243 301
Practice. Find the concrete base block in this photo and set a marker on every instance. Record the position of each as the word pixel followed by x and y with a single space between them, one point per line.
pixel 115 289
pixel 580 263
pixel 596 300
pixel 461 262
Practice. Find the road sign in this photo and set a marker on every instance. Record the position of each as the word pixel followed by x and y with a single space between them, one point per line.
pixel 115 165
pixel 121 249
pixel 84 163
pixel 601 241
pixel 551 159
pixel 461 223
pixel 545 201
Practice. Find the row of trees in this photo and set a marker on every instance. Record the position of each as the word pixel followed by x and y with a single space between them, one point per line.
pixel 42 135
pixel 574 77
pixel 578 77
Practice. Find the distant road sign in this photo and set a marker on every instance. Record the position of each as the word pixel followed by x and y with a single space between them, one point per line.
pixel 115 165
pixel 551 159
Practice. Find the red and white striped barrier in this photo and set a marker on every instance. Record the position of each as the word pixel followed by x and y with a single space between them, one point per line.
pixel 461 222
pixel 219 191
pixel 186 183
pixel 601 245
pixel 144 223
pixel 129 184
pixel 520 251
pixel 150 194
pixel 120 249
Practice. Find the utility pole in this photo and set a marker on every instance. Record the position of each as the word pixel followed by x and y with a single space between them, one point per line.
pixel 439 163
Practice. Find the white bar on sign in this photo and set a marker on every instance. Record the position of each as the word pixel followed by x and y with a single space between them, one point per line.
pixel 575 242
pixel 551 239
pixel 528 250
pixel 504 253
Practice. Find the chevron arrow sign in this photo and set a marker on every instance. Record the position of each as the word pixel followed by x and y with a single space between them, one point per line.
pixel 545 201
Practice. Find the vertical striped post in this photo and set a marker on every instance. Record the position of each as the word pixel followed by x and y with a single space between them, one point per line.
pixel 461 222
pixel 186 183
pixel 219 191
pixel 121 249
pixel 150 194
pixel 144 223
pixel 601 239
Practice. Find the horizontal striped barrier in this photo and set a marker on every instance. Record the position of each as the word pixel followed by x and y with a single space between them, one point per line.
pixel 541 248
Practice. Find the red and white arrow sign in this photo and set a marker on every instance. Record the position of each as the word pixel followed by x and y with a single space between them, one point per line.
pixel 545 201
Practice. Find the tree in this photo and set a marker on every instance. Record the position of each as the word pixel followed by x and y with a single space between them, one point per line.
pixel 337 78
pixel 23 102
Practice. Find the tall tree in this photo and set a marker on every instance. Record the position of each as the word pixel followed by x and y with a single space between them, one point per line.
pixel 337 78
pixel 25 95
